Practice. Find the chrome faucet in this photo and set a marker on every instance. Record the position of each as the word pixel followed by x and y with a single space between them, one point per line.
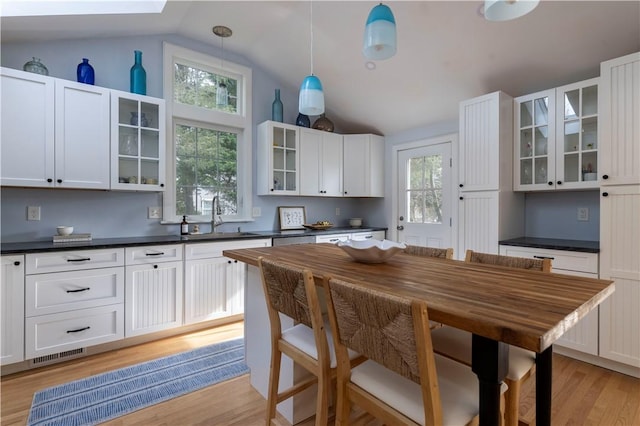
pixel 216 219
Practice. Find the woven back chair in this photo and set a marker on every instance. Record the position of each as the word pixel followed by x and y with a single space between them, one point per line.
pixel 399 383
pixel 441 253
pixel 291 291
pixel 456 344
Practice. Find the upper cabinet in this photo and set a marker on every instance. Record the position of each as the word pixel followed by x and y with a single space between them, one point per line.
pixel 137 142
pixel 363 165
pixel 556 138
pixel 619 133
pixel 55 133
pixel 485 148
pixel 278 159
pixel 321 160
pixel 334 165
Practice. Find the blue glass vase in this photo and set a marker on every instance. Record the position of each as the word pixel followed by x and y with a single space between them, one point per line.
pixel 276 108
pixel 138 75
pixel 303 120
pixel 85 72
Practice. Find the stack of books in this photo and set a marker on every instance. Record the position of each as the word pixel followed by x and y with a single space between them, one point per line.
pixel 72 238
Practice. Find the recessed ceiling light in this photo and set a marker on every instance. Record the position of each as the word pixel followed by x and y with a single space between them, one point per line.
pixel 370 65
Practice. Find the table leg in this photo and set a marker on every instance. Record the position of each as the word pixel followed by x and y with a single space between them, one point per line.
pixel 490 362
pixel 544 370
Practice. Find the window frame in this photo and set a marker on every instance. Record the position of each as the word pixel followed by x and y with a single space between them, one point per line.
pixel 240 122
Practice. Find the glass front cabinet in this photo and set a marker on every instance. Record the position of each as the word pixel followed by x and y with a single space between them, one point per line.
pixel 556 138
pixel 137 142
pixel 278 159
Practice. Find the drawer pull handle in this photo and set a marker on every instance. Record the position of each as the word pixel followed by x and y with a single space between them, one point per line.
pixel 79 290
pixel 160 253
pixel 78 330
pixel 544 257
pixel 79 260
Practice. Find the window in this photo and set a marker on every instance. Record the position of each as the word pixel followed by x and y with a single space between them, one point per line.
pixel 424 189
pixel 210 138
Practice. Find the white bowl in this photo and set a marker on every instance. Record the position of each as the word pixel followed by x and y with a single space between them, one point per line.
pixel 64 230
pixel 355 222
pixel 371 251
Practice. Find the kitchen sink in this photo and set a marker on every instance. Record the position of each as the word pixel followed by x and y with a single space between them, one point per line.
pixel 218 235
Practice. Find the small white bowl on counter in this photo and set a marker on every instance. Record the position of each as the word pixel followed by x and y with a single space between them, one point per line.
pixel 371 251
pixel 64 230
pixel 355 222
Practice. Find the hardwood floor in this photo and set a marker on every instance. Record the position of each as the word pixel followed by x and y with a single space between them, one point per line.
pixel 583 394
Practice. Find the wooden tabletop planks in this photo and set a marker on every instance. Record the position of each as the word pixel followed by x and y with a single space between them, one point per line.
pixel 530 309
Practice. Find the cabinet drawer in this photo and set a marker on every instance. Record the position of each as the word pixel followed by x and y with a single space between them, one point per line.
pixel 153 254
pixel 65 291
pixel 560 259
pixel 49 334
pixel 207 250
pixel 374 235
pixel 39 263
pixel 333 239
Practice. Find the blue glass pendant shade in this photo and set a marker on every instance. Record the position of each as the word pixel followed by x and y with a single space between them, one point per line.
pixel 85 72
pixel 276 108
pixel 311 99
pixel 138 76
pixel 380 34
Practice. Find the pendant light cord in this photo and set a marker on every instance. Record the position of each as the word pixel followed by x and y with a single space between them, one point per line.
pixel 311 31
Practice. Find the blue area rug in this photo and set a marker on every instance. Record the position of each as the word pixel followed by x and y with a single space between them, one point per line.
pixel 109 395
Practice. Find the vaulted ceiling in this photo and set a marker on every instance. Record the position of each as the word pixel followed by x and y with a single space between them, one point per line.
pixel 447 51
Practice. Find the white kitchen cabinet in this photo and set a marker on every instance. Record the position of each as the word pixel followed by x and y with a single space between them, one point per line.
pixel 153 288
pixel 619 131
pixel 278 159
pixel 489 210
pixel 55 133
pixel 12 309
pixel 214 284
pixel 137 142
pixel 620 262
pixel 583 336
pixel 363 169
pixel 321 160
pixel 368 235
pixel 73 299
pixel 333 238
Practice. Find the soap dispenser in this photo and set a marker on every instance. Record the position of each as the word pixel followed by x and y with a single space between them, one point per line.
pixel 184 226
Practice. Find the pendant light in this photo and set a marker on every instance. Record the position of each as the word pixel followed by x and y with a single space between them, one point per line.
pixel 311 99
pixel 505 10
pixel 222 94
pixel 380 34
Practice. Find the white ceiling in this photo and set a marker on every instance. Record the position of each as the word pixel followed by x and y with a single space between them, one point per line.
pixel 447 51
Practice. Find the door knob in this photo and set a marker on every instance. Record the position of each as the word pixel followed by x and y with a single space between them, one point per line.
pixel 400 228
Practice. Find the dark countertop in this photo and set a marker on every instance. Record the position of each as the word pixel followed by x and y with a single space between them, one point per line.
pixel 554 244
pixel 100 243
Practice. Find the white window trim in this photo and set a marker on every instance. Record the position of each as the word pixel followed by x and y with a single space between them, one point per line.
pixel 242 122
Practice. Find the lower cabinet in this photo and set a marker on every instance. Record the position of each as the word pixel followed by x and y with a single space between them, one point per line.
pixel 153 289
pixel 214 284
pixel 12 309
pixel 583 336
pixel 356 236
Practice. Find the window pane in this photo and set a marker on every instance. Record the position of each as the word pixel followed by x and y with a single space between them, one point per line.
pixel 199 88
pixel 206 166
pixel 424 195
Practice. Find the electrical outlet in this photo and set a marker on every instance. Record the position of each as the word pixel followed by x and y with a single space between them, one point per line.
pixel 337 211
pixel 256 212
pixel 33 212
pixel 583 214
pixel 155 213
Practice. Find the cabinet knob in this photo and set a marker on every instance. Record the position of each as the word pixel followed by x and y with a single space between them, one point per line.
pixel 550 183
pixel 345 192
pixel 228 261
pixel 559 182
pixel 155 266
pixel 605 194
pixel 49 180
pixel 272 189
pixel 59 180
pixel 462 198
pixel 17 263
pixel 605 177
pixel 162 185
pixel 461 185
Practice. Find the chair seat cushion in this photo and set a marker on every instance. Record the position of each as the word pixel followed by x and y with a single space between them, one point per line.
pixel 456 343
pixel 457 383
pixel 301 336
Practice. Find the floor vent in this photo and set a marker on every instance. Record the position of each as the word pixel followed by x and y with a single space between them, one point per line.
pixel 59 357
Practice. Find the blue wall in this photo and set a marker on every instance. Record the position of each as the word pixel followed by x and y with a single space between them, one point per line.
pixel 119 214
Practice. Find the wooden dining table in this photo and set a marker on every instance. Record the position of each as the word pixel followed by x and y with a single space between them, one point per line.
pixel 500 306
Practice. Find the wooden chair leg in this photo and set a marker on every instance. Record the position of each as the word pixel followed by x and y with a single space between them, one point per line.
pixel 343 406
pixel 512 402
pixel 274 383
pixel 323 398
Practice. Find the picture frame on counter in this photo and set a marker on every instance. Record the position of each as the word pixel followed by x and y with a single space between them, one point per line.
pixel 292 217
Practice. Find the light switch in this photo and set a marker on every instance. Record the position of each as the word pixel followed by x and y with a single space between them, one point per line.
pixel 33 212
pixel 583 214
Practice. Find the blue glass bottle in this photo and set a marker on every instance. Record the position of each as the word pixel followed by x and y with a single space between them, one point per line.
pixel 276 108
pixel 138 76
pixel 85 72
pixel 303 120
